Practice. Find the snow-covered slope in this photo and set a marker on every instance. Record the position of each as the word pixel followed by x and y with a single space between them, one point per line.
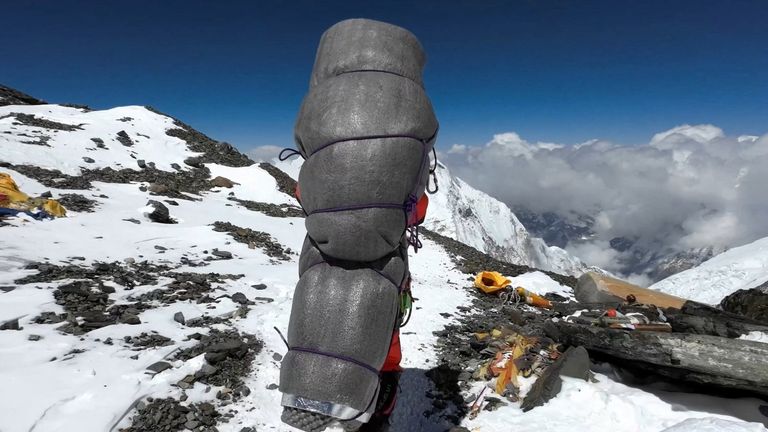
pixel 743 267
pixel 67 138
pixel 54 381
pixel 475 218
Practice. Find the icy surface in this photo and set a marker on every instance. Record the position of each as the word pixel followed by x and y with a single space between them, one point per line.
pixel 46 387
pixel 743 267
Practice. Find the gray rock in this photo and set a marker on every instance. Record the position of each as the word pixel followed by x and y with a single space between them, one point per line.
pixel 175 166
pixel 106 289
pixel 132 220
pixel 141 163
pixel 206 370
pixel 131 319
pixel 159 366
pixel 46 194
pixel 10 325
pixel 88 160
pixel 259 286
pixel 34 338
pixel 124 139
pixel 191 424
pixel 194 162
pixel 160 213
pixel 158 188
pixel 272 386
pixel 179 318
pixel 221 254
pixel 277 357
pixel 751 303
pixel 240 298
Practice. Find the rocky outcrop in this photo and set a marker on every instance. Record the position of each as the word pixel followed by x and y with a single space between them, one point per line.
pixel 9 96
pixel 751 303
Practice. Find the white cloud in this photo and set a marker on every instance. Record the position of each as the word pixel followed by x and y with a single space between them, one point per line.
pixel 264 153
pixel 689 187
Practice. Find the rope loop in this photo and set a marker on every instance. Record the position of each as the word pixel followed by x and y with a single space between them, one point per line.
pixel 290 153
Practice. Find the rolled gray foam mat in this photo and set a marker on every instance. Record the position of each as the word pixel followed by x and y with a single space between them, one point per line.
pixel 363 104
pixel 361 44
pixel 366 128
pixel 348 309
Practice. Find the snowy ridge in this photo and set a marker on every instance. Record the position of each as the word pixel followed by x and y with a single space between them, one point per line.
pixel 742 267
pixel 25 143
pixel 475 218
pixel 63 382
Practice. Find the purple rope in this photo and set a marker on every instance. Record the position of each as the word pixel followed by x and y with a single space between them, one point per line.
pixel 381 71
pixel 357 207
pixel 371 137
pixel 336 356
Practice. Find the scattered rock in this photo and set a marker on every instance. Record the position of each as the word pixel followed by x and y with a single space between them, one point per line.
pixel 99 142
pixel 141 163
pixel 34 337
pixel 277 357
pixel 240 298
pixel 179 318
pixel 78 203
pixel 253 239
pixel 273 386
pixel 269 209
pixel 88 160
pixel 285 183
pixel 32 120
pixel 223 182
pixel 194 162
pixel 213 151
pixel 12 324
pixel 158 367
pixel 221 254
pixel 130 319
pixel 132 220
pixel 158 188
pixel 124 139
pixel 160 214
pixel 259 286
pixel 148 340
pixel 170 415
pixel 230 352
pixel 176 166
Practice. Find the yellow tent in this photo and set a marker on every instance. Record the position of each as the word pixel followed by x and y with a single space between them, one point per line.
pixel 11 197
pixel 491 282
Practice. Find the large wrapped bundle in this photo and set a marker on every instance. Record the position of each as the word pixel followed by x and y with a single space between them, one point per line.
pixel 342 321
pixel 366 128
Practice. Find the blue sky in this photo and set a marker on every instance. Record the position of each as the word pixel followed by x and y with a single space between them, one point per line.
pixel 551 70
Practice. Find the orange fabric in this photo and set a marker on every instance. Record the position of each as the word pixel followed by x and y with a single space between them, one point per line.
pixel 394 356
pixel 418 216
